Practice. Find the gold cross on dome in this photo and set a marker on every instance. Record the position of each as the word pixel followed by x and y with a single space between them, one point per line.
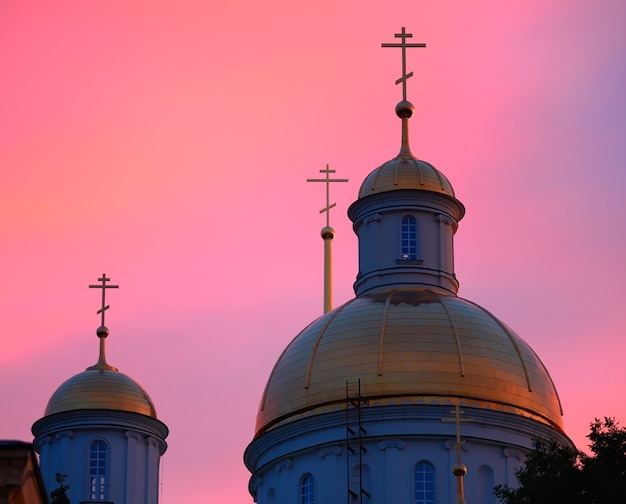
pixel 104 287
pixel 403 35
pixel 327 181
pixel 457 412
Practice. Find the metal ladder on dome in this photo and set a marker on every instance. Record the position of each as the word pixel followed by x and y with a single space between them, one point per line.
pixel 354 443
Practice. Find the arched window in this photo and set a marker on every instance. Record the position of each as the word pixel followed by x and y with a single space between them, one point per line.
pixel 98 464
pixel 424 483
pixel 486 482
pixel 307 490
pixel 409 238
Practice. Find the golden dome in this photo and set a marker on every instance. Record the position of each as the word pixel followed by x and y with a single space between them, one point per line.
pixel 104 389
pixel 408 345
pixel 405 172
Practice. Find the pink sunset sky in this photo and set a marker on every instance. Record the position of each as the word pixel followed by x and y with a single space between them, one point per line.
pixel 168 144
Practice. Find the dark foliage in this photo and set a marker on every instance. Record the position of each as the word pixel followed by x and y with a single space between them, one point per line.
pixel 557 473
pixel 59 496
pixel 605 469
pixel 551 474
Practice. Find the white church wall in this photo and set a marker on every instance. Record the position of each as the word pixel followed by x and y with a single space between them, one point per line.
pixel 494 446
pixel 134 444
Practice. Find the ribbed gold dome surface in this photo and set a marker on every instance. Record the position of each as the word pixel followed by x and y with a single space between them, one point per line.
pixel 101 389
pixel 405 172
pixel 412 345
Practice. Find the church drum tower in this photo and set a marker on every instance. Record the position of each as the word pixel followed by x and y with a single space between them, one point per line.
pixel 101 431
pixel 451 396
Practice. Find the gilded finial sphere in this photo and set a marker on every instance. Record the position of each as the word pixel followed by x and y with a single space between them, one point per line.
pixel 328 233
pixel 102 332
pixel 459 470
pixel 405 109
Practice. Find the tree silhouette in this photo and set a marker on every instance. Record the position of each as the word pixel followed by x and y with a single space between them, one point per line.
pixel 605 470
pixel 554 472
pixel 551 474
pixel 59 496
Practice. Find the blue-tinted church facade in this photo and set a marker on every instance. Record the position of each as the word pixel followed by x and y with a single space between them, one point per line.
pixel 407 393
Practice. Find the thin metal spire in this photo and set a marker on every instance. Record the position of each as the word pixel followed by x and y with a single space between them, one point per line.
pixel 403 35
pixel 103 331
pixel 459 470
pixel 328 234
pixel 404 109
pixel 327 181
pixel 104 287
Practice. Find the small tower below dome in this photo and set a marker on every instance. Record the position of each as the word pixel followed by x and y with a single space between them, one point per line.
pixel 406 216
pixel 100 428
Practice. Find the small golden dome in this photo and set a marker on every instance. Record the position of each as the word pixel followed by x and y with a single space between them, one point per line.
pixel 408 345
pixel 104 389
pixel 406 172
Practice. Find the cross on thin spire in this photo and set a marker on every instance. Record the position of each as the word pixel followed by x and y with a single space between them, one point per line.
pixel 104 287
pixel 459 470
pixel 457 412
pixel 403 35
pixel 327 181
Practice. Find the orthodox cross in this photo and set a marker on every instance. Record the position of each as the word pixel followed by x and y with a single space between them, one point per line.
pixel 457 412
pixel 403 45
pixel 327 180
pixel 104 287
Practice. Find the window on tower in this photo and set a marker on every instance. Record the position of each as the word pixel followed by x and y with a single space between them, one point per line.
pixel 98 478
pixel 424 483
pixel 307 490
pixel 409 238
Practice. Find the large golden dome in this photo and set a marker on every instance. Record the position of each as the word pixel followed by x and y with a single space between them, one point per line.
pixel 408 345
pixel 104 389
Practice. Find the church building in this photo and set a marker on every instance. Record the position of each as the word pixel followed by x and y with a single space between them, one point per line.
pixel 101 433
pixel 407 393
